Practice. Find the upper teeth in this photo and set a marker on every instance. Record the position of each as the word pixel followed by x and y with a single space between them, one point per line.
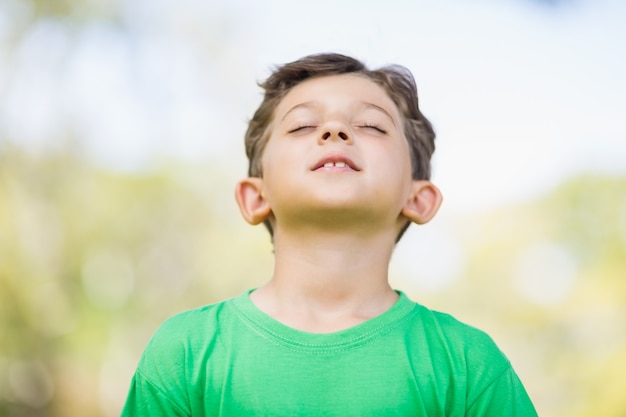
pixel 335 164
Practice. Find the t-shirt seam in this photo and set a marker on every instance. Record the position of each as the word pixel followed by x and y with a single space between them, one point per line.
pixel 361 340
pixel 495 379
pixel 161 392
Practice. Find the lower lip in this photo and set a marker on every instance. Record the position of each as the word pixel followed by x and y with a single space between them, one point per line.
pixel 335 169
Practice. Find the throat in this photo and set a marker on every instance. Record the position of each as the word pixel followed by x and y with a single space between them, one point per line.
pixel 321 313
pixel 325 282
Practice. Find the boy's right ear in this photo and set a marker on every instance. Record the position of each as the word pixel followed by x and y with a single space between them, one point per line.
pixel 253 206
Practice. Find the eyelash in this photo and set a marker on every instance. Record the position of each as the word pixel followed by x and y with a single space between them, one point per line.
pixel 366 125
pixel 375 127
pixel 300 128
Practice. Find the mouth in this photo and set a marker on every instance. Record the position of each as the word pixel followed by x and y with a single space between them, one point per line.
pixel 335 163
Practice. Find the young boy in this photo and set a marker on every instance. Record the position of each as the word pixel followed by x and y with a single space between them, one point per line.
pixel 339 167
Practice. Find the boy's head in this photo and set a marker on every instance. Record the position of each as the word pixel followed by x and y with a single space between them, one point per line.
pixel 396 81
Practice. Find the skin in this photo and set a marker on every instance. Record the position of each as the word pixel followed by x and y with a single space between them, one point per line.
pixel 337 188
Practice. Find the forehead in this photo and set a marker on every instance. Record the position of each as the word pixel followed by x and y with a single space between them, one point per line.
pixel 338 89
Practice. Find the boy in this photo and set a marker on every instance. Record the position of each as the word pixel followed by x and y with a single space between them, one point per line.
pixel 339 167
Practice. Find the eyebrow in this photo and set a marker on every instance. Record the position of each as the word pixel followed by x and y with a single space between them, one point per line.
pixel 375 107
pixel 313 103
pixel 305 105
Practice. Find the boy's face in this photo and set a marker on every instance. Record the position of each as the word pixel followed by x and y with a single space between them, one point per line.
pixel 337 153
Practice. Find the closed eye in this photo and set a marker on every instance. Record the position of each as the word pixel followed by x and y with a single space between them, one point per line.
pixel 300 128
pixel 374 127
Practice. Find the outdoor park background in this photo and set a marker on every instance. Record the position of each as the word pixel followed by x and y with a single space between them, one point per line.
pixel 121 139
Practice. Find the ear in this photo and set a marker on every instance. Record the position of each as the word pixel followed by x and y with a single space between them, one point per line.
pixel 252 204
pixel 423 202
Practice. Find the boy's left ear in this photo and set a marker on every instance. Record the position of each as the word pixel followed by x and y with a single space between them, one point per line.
pixel 423 202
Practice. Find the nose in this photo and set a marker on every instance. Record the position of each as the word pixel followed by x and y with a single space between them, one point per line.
pixel 335 130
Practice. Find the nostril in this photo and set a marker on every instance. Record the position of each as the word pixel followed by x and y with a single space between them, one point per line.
pixel 343 136
pixel 326 135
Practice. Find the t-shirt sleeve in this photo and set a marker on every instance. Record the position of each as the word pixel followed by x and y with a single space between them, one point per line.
pixel 159 386
pixel 147 399
pixel 505 396
pixel 493 387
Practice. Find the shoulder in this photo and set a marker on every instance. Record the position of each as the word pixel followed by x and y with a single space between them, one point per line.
pixel 181 335
pixel 492 385
pixel 162 379
pixel 181 340
pixel 475 361
pixel 466 336
pixel 465 350
pixel 456 334
pixel 185 321
pixel 193 326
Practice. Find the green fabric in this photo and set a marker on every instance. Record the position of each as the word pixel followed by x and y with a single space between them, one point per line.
pixel 230 359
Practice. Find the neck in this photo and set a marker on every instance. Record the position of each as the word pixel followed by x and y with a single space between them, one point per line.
pixel 327 281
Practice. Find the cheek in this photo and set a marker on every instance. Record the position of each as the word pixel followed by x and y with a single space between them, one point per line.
pixel 269 157
pixel 405 157
pixel 277 162
pixel 396 158
pixel 399 169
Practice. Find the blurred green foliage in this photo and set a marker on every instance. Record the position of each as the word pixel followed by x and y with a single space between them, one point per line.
pixel 91 262
pixel 547 279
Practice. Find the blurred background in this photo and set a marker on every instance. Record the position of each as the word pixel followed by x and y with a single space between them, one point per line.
pixel 121 139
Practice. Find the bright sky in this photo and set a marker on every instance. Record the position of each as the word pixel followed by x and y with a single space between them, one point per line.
pixel 523 93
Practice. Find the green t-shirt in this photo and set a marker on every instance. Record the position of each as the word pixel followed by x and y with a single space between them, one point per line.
pixel 231 359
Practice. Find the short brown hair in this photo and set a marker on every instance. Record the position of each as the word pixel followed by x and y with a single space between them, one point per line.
pixel 396 80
